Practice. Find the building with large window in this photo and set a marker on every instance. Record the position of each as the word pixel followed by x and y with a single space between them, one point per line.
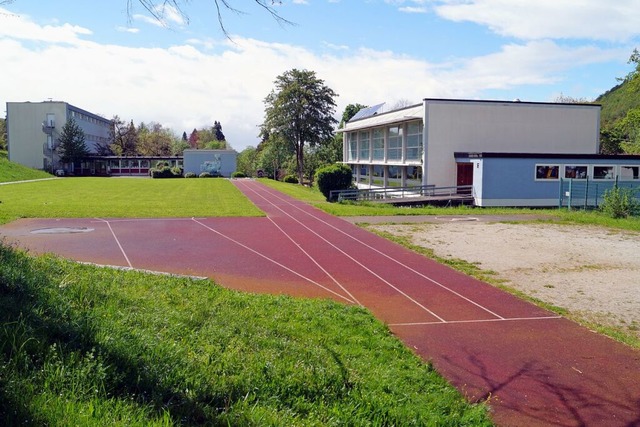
pixel 416 145
pixel 33 129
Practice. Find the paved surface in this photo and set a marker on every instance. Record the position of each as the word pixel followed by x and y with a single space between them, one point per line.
pixel 534 367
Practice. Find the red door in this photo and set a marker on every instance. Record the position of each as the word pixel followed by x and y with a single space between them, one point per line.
pixel 465 177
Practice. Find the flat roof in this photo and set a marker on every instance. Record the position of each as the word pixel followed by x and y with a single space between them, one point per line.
pixel 491 155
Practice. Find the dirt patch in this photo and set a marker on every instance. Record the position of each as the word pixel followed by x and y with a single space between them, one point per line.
pixel 592 272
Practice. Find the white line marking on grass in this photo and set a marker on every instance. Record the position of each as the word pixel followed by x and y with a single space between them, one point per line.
pixel 272 261
pixel 504 319
pixel 117 241
pixel 354 260
pixel 395 260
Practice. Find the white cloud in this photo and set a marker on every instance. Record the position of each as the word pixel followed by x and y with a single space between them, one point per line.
pixel 542 19
pixel 164 15
pixel 131 30
pixel 191 84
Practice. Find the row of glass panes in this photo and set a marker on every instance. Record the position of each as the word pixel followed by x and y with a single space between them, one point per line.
pixel 393 172
pixel 368 145
pixel 555 171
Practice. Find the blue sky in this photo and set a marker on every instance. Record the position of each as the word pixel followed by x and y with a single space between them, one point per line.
pixel 185 74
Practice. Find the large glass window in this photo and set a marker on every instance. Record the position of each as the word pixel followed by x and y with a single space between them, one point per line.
pixel 352 140
pixel 394 143
pixel 414 141
pixel 414 175
pixel 629 173
pixel 575 171
pixel 378 175
pixel 364 174
pixel 378 144
pixel 544 172
pixel 604 172
pixel 365 146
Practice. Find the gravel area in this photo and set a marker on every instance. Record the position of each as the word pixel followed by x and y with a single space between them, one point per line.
pixel 592 272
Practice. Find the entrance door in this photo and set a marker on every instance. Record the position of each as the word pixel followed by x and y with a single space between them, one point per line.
pixel 465 177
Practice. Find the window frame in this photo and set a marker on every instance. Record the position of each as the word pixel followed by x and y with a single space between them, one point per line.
pixel 547 165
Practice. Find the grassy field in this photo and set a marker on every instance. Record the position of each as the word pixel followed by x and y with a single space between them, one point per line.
pixel 10 171
pixel 123 198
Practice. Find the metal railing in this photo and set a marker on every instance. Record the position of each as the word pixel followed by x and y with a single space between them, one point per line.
pixel 419 191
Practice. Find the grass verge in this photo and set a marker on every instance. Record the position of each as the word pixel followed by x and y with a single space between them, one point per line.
pixel 83 345
pixel 10 171
pixel 123 198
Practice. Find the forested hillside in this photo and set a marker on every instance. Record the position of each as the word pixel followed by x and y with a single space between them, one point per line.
pixel 620 118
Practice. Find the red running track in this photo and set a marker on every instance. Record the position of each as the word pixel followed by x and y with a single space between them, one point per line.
pixel 535 367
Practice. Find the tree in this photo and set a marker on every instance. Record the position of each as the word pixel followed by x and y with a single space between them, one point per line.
pixel 72 148
pixel 217 127
pixel 193 139
pixel 154 140
pixel 3 134
pixel 300 111
pixel 124 137
pixel 157 9
pixel 247 161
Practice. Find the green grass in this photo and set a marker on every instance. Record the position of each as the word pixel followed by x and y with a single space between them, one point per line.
pixel 123 198
pixel 10 171
pixel 83 345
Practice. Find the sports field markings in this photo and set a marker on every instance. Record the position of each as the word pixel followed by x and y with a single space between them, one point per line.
pixel 452 322
pixel 316 263
pixel 373 273
pixel 273 261
pixel 117 241
pixel 297 206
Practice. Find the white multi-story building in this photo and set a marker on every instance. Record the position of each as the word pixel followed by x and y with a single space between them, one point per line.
pixel 33 129
pixel 416 145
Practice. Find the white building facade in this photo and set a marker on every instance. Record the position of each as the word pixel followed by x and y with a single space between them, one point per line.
pixel 33 129
pixel 416 145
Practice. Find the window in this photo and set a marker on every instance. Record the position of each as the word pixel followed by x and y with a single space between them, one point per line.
pixel 395 176
pixel 575 172
pixel 378 175
pixel 414 141
pixel 352 140
pixel 414 175
pixel 544 172
pixel 629 173
pixel 364 174
pixel 364 146
pixel 378 144
pixel 394 143
pixel 604 172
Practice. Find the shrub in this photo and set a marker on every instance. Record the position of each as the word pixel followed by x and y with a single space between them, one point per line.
pixel 333 177
pixel 206 175
pixel 291 179
pixel 164 171
pixel 238 174
pixel 620 202
pixel 190 175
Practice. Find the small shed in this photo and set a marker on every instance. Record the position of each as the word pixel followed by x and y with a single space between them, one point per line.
pixel 215 162
pixel 542 180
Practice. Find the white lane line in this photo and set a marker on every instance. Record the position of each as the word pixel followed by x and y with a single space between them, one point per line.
pixel 505 319
pixel 317 263
pixel 272 261
pixel 396 261
pixel 117 241
pixel 401 292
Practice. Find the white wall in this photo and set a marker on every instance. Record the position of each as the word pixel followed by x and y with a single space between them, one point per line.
pixel 24 130
pixel 469 126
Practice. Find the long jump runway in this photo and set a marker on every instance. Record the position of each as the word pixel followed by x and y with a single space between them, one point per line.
pixel 534 367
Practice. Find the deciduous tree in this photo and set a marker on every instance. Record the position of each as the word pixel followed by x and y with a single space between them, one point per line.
pixel 300 111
